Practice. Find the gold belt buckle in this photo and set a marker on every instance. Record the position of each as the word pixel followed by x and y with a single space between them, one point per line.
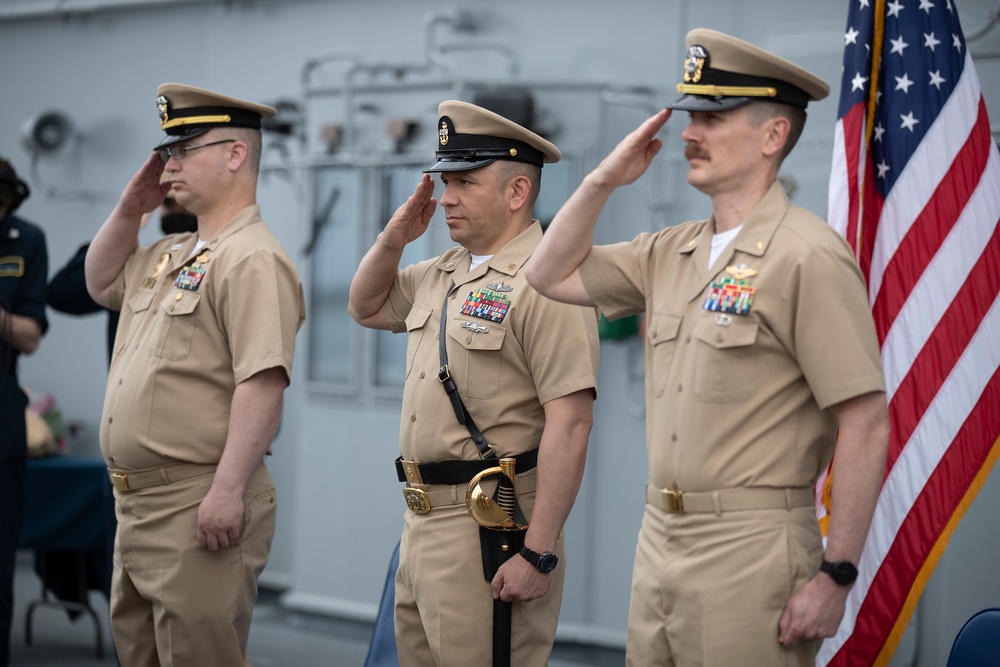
pixel 120 481
pixel 675 500
pixel 417 500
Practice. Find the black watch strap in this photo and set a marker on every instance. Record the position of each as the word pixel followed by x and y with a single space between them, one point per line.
pixel 543 562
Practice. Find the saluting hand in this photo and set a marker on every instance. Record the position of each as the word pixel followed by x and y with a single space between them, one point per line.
pixel 517 580
pixel 144 192
pixel 632 156
pixel 410 220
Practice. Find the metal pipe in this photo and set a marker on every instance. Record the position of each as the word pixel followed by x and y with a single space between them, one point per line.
pixel 63 9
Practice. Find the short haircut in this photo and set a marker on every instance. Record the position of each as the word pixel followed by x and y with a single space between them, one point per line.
pixel 508 169
pixel 252 138
pixel 763 110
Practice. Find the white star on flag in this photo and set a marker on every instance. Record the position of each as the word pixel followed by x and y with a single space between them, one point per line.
pixel 909 122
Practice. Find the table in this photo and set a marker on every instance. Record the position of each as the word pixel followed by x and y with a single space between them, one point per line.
pixel 69 520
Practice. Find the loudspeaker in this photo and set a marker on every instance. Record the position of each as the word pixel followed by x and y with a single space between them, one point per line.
pixel 46 133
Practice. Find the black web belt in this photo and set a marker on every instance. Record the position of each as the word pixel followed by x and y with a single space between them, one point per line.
pixel 460 472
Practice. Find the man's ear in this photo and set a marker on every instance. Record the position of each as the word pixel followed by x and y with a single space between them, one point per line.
pixel 776 134
pixel 520 189
pixel 238 151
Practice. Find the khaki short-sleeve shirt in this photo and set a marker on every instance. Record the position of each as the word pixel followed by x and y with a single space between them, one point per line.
pixel 510 352
pixel 739 397
pixel 193 326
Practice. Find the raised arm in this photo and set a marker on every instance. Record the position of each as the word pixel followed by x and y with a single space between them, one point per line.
pixel 553 267
pixel 118 236
pixel 377 271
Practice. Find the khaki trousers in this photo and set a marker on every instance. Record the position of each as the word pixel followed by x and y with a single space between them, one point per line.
pixel 173 602
pixel 444 605
pixel 708 590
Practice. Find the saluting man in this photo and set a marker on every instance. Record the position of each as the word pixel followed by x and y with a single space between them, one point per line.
pixel 202 356
pixel 761 360
pixel 526 372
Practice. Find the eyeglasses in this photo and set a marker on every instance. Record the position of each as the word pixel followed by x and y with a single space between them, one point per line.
pixel 180 152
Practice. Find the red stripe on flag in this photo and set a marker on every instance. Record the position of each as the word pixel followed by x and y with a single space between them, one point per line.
pixel 871 216
pixel 921 529
pixel 933 224
pixel 853 123
pixel 946 344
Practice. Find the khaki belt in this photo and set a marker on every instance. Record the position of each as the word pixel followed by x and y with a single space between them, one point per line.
pixel 729 500
pixel 423 500
pixel 133 480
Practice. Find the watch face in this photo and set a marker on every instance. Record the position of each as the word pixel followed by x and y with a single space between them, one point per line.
pixel 547 562
pixel 842 572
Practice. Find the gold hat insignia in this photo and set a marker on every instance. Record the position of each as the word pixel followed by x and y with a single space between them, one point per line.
pixel 163 108
pixel 443 134
pixel 694 63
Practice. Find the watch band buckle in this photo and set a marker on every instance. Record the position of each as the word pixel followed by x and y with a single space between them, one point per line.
pixel 417 500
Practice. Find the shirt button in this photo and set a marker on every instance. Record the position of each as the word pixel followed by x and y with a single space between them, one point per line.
pixel 673 437
pixel 680 387
pixel 718 338
pixel 652 334
pixel 110 419
pixel 687 339
pixel 413 418
pixel 468 340
pixel 422 375
pixel 179 296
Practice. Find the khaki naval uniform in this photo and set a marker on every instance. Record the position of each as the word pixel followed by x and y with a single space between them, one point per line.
pixel 530 352
pixel 194 324
pixel 735 401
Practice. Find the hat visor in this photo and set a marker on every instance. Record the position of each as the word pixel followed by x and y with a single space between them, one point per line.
pixel 707 103
pixel 457 165
pixel 187 133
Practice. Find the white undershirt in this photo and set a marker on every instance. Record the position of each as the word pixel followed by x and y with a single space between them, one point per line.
pixel 479 259
pixel 198 246
pixel 719 243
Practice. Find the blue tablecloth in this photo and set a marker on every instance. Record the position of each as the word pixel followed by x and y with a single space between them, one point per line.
pixel 69 509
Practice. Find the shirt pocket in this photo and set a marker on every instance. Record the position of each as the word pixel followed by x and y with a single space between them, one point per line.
pixel 726 361
pixel 661 337
pixel 137 306
pixel 475 357
pixel 416 331
pixel 175 327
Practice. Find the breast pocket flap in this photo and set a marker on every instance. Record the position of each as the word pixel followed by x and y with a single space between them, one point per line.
pixel 726 331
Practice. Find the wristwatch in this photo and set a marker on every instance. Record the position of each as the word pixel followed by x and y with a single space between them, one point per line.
pixel 842 572
pixel 543 562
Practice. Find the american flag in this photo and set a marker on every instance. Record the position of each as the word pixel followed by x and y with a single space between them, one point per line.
pixel 915 189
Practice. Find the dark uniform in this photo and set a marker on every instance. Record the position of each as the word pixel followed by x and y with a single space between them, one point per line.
pixel 23 270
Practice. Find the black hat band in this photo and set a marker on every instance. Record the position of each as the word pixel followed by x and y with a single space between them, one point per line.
pixel 178 121
pixel 473 147
pixel 720 83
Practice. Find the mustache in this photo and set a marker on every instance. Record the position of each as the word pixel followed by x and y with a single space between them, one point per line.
pixel 691 151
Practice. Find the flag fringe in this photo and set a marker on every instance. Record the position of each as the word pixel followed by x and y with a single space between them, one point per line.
pixel 920 581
